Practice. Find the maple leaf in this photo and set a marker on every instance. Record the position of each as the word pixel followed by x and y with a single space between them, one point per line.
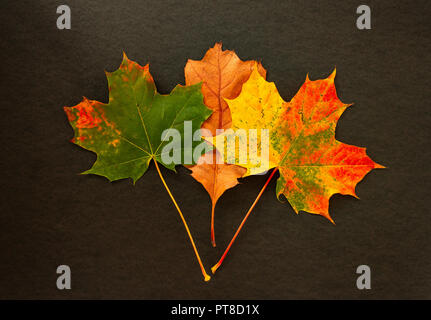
pixel 126 133
pixel 222 75
pixel 259 106
pixel 313 165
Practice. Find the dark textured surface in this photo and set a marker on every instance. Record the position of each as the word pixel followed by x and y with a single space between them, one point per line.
pixel 125 241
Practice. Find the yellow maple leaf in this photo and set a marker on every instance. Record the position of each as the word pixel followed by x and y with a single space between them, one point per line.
pixel 255 111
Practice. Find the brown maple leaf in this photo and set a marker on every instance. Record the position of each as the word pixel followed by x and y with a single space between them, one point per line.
pixel 222 75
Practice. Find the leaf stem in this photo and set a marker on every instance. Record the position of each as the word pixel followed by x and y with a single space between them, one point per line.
pixel 206 276
pixel 218 264
pixel 212 225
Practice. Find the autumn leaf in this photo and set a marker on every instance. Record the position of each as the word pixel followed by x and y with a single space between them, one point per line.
pixel 259 106
pixel 313 165
pixel 126 133
pixel 222 74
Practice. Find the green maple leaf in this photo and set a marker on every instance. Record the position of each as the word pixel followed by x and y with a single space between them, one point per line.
pixel 126 133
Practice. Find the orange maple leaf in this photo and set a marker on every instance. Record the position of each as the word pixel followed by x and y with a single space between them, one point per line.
pixel 222 75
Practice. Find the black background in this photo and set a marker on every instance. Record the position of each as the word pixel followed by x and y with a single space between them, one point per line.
pixel 125 241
